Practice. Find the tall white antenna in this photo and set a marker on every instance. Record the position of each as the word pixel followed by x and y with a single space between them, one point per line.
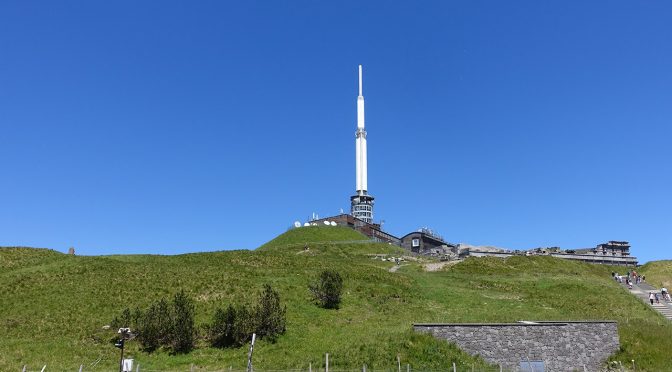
pixel 361 204
pixel 360 80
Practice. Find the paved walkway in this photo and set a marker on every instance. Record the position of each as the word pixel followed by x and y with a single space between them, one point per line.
pixel 642 290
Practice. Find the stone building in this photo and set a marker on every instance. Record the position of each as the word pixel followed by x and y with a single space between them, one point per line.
pixel 424 241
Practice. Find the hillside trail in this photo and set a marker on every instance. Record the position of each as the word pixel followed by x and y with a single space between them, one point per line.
pixel 395 268
pixel 436 266
pixel 642 290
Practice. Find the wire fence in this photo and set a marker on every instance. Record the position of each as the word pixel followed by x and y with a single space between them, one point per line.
pixel 137 367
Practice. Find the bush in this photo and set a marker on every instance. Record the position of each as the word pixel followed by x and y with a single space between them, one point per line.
pixel 125 320
pixel 162 325
pixel 154 326
pixel 232 327
pixel 327 289
pixel 270 314
pixel 183 330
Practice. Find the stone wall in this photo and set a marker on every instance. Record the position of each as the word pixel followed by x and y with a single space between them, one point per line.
pixel 563 346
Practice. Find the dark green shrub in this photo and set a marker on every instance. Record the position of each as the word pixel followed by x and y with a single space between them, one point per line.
pixel 270 314
pixel 327 289
pixel 183 329
pixel 231 327
pixel 125 320
pixel 154 326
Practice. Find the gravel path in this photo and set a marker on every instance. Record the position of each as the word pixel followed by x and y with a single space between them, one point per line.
pixel 436 266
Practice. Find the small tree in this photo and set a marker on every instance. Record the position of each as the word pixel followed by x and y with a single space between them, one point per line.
pixel 232 327
pixel 183 330
pixel 327 289
pixel 124 320
pixel 270 314
pixel 154 326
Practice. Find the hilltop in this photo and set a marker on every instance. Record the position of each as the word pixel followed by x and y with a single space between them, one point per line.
pixel 658 273
pixel 54 305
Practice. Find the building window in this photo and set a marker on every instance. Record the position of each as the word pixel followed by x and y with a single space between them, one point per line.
pixel 415 242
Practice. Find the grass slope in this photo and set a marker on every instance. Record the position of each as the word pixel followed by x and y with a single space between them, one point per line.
pixel 658 273
pixel 54 305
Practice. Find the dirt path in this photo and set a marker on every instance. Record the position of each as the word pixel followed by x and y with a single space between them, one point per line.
pixel 436 266
pixel 395 268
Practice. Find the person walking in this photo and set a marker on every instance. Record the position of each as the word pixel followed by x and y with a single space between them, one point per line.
pixel 657 300
pixel 651 297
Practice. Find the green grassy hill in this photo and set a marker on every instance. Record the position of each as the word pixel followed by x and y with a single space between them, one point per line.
pixel 658 273
pixel 54 305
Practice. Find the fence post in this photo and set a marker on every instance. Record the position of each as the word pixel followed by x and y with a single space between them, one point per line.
pixel 398 363
pixel 43 368
pixel 249 356
pixel 137 368
pixel 408 367
pixel 24 368
pixel 364 368
pixel 454 367
pixel 310 367
pixel 327 365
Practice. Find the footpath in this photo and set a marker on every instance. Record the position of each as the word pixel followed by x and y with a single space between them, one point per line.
pixel 642 290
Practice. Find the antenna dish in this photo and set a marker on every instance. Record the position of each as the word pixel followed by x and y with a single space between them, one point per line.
pixel 326 223
pixel 297 224
pixel 333 223
pixel 306 224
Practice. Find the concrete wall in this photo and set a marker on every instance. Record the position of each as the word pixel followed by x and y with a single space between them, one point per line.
pixel 563 346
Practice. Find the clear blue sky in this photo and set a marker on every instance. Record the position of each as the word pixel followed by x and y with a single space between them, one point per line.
pixel 169 127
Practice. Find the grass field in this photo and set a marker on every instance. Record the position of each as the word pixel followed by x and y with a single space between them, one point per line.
pixel 54 305
pixel 658 273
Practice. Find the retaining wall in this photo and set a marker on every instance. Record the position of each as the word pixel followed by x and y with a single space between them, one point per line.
pixel 563 346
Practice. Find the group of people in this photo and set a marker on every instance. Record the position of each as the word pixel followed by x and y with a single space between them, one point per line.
pixel 634 276
pixel 628 278
pixel 653 296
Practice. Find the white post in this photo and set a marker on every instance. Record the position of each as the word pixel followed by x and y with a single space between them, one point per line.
pixel 327 365
pixel 24 368
pixel 43 368
pixel 454 367
pixel 249 356
pixel 310 367
pixel 137 368
pixel 81 367
pixel 398 363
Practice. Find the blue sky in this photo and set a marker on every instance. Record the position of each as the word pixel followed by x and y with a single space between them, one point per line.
pixel 169 127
